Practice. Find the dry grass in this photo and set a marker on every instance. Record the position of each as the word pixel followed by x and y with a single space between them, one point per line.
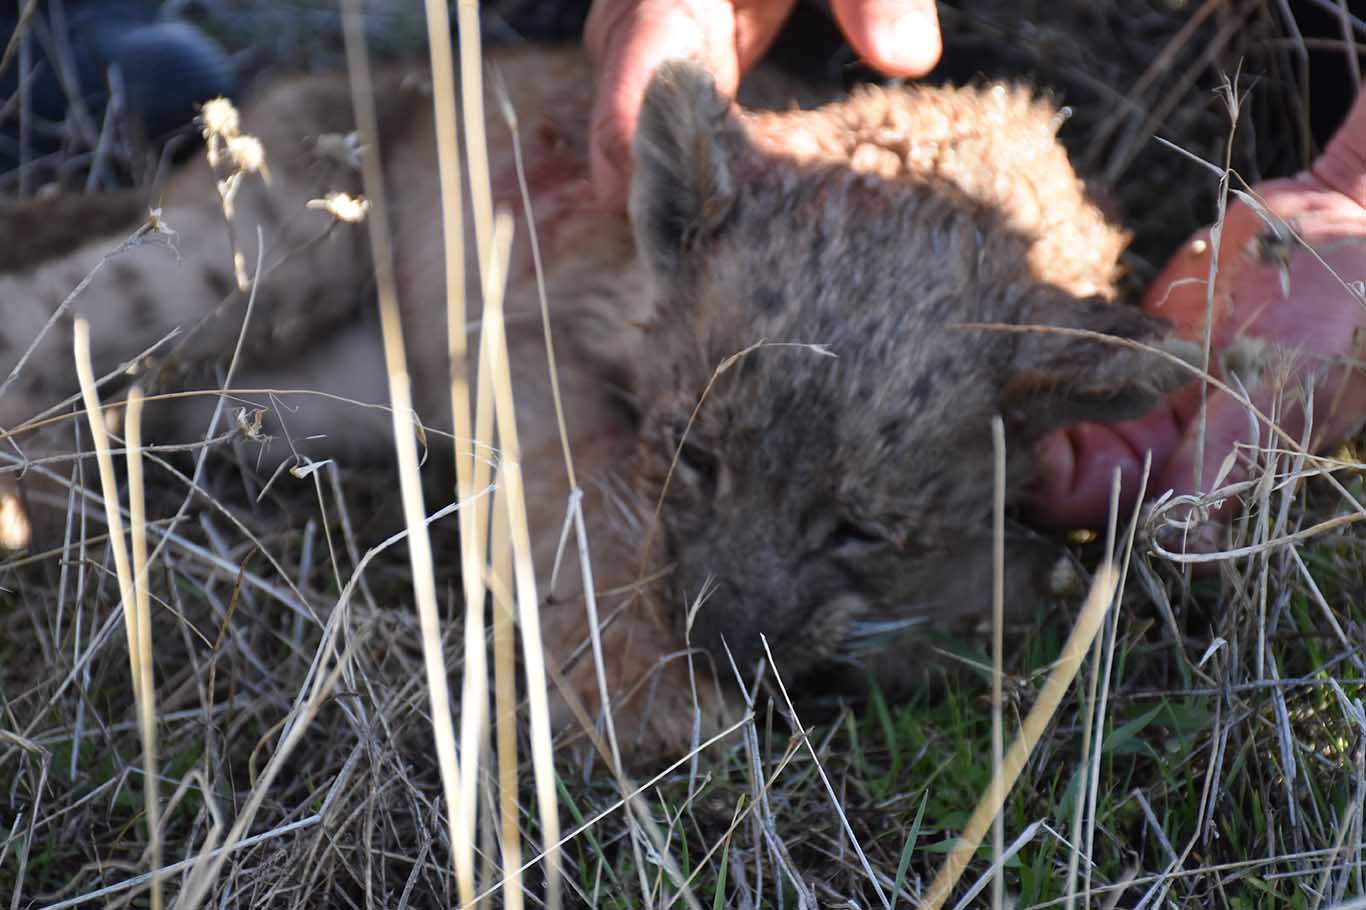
pixel 1216 757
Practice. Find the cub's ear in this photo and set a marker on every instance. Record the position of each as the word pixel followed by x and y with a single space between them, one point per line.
pixel 683 186
pixel 1058 379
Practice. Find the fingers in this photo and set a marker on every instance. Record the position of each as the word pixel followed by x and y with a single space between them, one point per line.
pixel 1343 163
pixel 1302 320
pixel 898 37
pixel 1193 470
pixel 1338 408
pixel 627 40
pixel 757 23
pixel 1077 465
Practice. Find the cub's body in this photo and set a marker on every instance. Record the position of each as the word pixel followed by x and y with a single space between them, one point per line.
pixel 809 498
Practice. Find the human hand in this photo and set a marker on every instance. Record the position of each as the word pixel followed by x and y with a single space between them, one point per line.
pixel 1317 330
pixel 628 39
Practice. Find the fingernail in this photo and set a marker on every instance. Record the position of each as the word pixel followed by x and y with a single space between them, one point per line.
pixel 910 44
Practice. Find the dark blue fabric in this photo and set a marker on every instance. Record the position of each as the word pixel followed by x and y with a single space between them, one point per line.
pixel 167 68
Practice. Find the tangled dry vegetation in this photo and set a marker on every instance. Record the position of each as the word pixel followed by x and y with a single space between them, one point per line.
pixel 1213 753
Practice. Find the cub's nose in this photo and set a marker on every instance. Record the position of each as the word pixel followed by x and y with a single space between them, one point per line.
pixel 723 622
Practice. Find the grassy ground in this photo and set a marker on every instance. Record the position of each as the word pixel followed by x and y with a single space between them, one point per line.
pixel 1222 715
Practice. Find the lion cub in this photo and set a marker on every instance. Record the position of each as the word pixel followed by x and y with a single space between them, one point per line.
pixel 780 418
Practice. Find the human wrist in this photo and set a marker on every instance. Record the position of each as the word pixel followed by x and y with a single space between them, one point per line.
pixel 1342 166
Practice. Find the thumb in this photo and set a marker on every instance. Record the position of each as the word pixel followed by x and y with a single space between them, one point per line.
pixel 1076 467
pixel 1229 423
pixel 898 37
pixel 1196 470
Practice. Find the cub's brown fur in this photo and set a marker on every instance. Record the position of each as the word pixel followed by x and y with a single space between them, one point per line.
pixel 814 497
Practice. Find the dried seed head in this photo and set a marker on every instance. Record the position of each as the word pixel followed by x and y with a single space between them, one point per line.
pixel 220 118
pixel 220 122
pixel 249 423
pixel 350 209
pixel 247 153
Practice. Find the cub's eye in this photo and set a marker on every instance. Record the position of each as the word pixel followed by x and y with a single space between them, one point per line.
pixel 698 459
pixel 848 535
pixel 694 456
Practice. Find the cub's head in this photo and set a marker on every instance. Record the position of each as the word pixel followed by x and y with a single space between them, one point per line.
pixel 814 419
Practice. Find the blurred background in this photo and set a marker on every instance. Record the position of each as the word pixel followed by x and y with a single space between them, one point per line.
pixel 95 94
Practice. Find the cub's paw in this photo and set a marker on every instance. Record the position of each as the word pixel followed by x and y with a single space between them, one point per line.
pixel 674 711
pixel 661 708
